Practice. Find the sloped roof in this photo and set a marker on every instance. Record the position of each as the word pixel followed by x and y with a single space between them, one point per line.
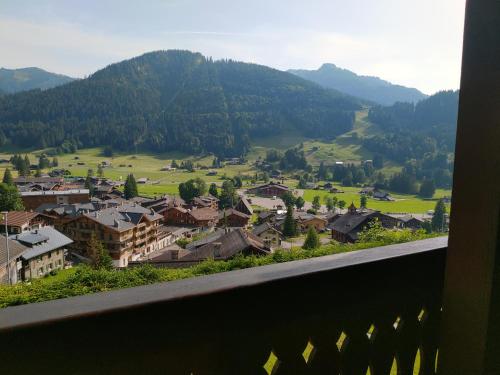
pixel 41 241
pixel 19 218
pixel 259 229
pixel 227 246
pixel 15 249
pixel 123 217
pixel 351 222
pixel 205 213
pixel 246 206
pixel 232 211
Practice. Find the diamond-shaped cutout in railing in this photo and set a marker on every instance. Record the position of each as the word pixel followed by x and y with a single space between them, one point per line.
pixel 397 322
pixel 422 315
pixel 308 352
pixel 341 340
pixel 371 333
pixel 416 363
pixel 394 367
pixel 272 364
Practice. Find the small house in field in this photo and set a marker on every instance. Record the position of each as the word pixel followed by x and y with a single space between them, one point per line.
pixel 271 189
pixel 142 180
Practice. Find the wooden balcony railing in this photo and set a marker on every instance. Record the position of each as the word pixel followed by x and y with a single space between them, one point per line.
pixel 374 309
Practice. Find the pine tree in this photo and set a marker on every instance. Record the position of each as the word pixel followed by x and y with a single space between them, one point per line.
pixel 100 171
pixel 290 226
pixel 7 177
pixel 130 189
pixel 10 200
pixel 299 202
pixel 312 240
pixel 38 172
pixel 213 190
pixel 439 218
pixel 98 254
pixel 316 203
pixel 363 201
pixel 427 189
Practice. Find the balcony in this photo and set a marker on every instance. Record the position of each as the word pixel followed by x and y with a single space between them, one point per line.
pixel 378 308
pixel 390 310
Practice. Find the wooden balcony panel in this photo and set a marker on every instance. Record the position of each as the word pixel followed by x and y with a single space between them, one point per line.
pixel 345 312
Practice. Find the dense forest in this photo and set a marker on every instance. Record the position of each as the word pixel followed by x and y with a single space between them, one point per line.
pixel 411 131
pixel 420 136
pixel 174 100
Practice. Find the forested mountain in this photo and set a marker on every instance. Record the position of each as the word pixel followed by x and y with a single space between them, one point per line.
pixel 411 130
pixel 421 136
pixel 16 80
pixel 175 100
pixel 373 89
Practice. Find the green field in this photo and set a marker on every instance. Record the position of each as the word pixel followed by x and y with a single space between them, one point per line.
pixel 403 202
pixel 143 165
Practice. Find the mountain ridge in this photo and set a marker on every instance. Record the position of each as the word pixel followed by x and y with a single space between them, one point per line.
pixel 175 100
pixel 370 88
pixel 29 78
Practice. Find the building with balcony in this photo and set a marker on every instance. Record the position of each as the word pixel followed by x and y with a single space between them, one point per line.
pixel 127 232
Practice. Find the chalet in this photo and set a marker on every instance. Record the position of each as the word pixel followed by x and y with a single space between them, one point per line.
pixel 46 248
pixel 142 180
pixel 265 216
pixel 382 196
pixel 233 218
pixel 205 201
pixel 201 217
pixel 33 199
pixel 244 206
pixel 267 233
pixel 10 262
pixel 269 190
pixel 328 186
pixel 305 221
pixel 127 231
pixel 223 247
pixel 408 220
pixel 212 173
pixel 58 215
pixel 22 221
pixel 347 227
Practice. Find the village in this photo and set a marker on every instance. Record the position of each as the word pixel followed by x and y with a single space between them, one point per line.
pixel 62 219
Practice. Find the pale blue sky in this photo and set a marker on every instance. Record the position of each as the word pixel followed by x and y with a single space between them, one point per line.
pixel 414 43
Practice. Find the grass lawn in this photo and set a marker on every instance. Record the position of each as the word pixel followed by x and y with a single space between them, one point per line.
pixel 403 203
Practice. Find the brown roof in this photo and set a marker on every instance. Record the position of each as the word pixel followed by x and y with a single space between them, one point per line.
pixel 18 218
pixel 15 249
pixel 227 246
pixel 205 213
pixel 231 211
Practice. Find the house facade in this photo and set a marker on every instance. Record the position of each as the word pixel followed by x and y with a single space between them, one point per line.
pixel 269 190
pixel 33 199
pixel 127 232
pixel 46 248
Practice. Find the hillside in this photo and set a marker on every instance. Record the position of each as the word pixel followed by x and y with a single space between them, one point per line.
pixel 175 100
pixel 16 80
pixel 373 89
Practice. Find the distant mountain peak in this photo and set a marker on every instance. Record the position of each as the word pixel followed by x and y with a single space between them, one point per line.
pixel 369 88
pixel 29 78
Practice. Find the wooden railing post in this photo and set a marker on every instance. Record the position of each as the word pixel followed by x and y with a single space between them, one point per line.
pixel 471 313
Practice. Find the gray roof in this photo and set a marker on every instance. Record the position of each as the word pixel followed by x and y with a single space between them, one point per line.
pixel 41 241
pixel 258 230
pixel 351 223
pixel 123 217
pixel 15 249
pixel 227 246
pixel 73 210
